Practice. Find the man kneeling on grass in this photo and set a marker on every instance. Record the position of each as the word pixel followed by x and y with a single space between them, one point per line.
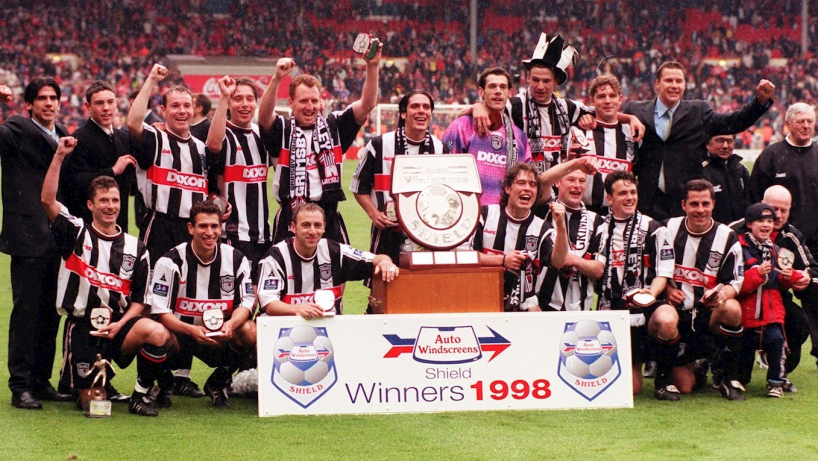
pixel 102 267
pixel 194 278
pixel 297 270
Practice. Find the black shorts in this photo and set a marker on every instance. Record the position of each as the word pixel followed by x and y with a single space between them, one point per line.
pixel 159 232
pixel 640 341
pixel 254 253
pixel 81 351
pixel 211 356
pixel 694 334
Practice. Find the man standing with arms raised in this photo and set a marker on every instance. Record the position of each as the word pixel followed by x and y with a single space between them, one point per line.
pixel 172 166
pixel 310 148
pixel 676 132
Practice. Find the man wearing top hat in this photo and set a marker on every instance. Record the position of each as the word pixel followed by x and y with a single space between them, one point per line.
pixel 545 117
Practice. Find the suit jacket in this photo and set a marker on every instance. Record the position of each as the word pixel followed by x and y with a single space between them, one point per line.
pixel 26 153
pixel 694 123
pixel 95 155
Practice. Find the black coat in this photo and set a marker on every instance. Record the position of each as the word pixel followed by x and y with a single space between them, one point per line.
pixel 694 123
pixel 95 155
pixel 731 181
pixel 26 153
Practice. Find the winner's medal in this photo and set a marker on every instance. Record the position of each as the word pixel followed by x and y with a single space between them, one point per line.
pixel 325 299
pixel 100 318
pixel 213 320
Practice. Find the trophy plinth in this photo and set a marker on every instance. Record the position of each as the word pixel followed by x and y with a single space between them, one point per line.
pixel 94 402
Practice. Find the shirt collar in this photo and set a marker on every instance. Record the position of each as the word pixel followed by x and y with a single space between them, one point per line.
pixel 52 132
pixel 787 138
pixel 108 131
pixel 661 108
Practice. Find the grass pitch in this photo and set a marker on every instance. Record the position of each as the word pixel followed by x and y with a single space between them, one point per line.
pixel 701 426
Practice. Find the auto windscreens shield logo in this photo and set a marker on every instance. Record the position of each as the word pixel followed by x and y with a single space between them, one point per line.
pixel 589 358
pixel 304 364
pixel 447 345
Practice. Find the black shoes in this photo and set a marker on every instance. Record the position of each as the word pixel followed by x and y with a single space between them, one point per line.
pixel 186 388
pixel 141 405
pixel 163 398
pixel 217 395
pixel 732 390
pixel 26 401
pixel 668 393
pixel 49 393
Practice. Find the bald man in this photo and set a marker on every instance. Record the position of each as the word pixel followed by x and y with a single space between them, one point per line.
pixel 799 323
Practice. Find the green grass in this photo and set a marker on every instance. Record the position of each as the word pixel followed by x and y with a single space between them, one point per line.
pixel 701 426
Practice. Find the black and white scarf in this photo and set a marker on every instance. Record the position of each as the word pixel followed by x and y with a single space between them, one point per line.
pixel 766 249
pixel 322 146
pixel 511 142
pixel 634 250
pixel 535 130
pixel 402 142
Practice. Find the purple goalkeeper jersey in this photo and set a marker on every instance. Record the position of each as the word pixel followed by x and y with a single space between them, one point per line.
pixel 489 152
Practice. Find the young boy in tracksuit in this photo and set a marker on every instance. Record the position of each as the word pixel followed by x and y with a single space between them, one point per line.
pixel 762 307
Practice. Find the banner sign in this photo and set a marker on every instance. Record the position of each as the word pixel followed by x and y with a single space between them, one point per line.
pixel 443 362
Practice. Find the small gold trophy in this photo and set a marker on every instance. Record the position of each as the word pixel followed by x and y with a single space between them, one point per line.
pixel 94 401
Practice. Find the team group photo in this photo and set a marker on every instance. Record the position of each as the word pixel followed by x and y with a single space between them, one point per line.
pixel 382 222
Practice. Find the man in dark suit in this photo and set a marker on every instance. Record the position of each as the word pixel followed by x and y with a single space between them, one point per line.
pixel 101 150
pixel 26 148
pixel 676 132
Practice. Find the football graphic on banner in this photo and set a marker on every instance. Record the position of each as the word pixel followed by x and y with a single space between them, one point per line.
pixel 589 361
pixel 304 363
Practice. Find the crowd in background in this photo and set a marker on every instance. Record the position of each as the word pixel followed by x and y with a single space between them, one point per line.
pixel 119 40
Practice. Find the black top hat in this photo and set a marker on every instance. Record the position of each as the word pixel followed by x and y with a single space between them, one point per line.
pixel 552 52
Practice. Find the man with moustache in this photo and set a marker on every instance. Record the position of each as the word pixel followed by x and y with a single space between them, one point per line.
pixel 730 179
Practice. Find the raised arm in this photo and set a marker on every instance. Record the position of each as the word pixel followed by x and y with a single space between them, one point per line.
pixel 369 94
pixel 561 240
pixel 267 105
pixel 48 196
pixel 550 176
pixel 140 104
pixel 215 136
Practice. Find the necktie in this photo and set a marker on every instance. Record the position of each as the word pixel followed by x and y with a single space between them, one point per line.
pixel 665 135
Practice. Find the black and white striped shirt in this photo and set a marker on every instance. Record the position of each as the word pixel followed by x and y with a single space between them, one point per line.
pixel 98 269
pixel 569 290
pixel 657 259
pixel 613 146
pixel 374 177
pixel 499 233
pixel 242 169
pixel 171 171
pixel 286 276
pixel 184 286
pixel 705 260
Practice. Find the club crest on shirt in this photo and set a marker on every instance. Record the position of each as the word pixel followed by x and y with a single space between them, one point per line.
pixel 530 243
pixel 325 271
pixel 128 262
pixel 496 142
pixel 226 283
pixel 714 260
